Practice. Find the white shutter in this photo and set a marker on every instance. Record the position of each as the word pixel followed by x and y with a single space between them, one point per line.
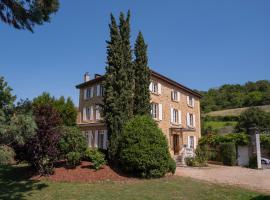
pixel 160 111
pixel 84 114
pixel 193 102
pixel 188 142
pixel 188 119
pixel 96 139
pixel 195 144
pixel 194 121
pixel 150 86
pixel 85 93
pixel 159 88
pixel 105 140
pixel 90 138
pixel 98 90
pixel 188 100
pixel 97 113
pixel 171 115
pixel 91 92
pixel 179 117
pixel 91 112
pixel 178 96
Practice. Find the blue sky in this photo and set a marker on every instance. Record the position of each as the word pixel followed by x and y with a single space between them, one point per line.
pixel 201 44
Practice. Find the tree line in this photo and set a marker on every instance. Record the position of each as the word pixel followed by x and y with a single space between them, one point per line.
pixel 235 96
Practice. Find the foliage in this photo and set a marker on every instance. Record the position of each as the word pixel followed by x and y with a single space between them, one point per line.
pixel 192 162
pixel 25 14
pixel 144 149
pixel 73 158
pixel 235 96
pixel 96 157
pixel 253 162
pixel 7 155
pixel 265 140
pixel 142 78
pixel 72 140
pixel 228 153
pixel 253 117
pixel 200 159
pixel 65 108
pixel 118 84
pixel 42 148
pixel 6 98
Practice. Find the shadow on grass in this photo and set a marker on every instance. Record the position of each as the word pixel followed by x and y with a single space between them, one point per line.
pixel 15 182
pixel 261 197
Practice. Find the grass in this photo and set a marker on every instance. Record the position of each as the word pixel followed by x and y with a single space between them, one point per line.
pixel 15 184
pixel 236 111
pixel 216 125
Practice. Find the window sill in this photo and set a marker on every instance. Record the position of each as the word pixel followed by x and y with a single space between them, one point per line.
pixel 175 124
pixel 191 127
pixel 190 106
pixel 155 93
pixel 175 101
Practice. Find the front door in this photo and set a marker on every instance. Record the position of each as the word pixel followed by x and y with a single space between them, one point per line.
pixel 176 145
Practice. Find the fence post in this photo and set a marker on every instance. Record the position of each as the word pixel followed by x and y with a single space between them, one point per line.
pixel 256 145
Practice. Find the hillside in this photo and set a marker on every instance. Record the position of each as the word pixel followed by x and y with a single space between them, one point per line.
pixel 236 111
pixel 230 96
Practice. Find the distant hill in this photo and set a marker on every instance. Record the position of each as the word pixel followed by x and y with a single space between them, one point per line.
pixel 230 96
pixel 236 111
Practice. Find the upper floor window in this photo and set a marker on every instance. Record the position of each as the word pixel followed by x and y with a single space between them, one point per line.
pixel 175 95
pixel 97 110
pixel 88 93
pixel 190 101
pixel 175 116
pixel 155 87
pixel 101 90
pixel 88 113
pixel 190 120
pixel 154 110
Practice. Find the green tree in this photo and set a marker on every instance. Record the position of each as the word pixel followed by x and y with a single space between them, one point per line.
pixel 142 78
pixel 118 91
pixel 25 14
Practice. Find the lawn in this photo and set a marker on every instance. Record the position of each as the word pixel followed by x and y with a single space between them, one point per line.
pixel 15 184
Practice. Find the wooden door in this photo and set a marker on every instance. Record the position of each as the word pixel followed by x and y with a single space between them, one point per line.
pixel 176 145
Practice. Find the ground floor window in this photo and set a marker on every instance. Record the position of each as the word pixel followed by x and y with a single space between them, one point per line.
pixel 191 142
pixel 96 138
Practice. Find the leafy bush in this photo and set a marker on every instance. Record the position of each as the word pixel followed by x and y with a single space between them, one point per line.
pixel 95 157
pixel 144 149
pixel 7 155
pixel 72 140
pixel 192 162
pixel 265 140
pixel 201 155
pixel 73 158
pixel 253 162
pixel 228 153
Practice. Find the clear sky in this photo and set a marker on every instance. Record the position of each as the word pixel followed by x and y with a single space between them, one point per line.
pixel 201 44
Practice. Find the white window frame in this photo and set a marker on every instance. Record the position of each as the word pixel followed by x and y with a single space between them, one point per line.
pixel 154 110
pixel 175 95
pixel 88 113
pixel 191 142
pixel 175 116
pixel 97 111
pixel 190 101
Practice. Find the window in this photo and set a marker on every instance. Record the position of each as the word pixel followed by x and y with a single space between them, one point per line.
pixel 190 120
pixel 97 112
pixel 100 139
pixel 154 110
pixel 191 142
pixel 88 93
pixel 190 101
pixel 175 116
pixel 154 87
pixel 88 113
pixel 101 90
pixel 175 95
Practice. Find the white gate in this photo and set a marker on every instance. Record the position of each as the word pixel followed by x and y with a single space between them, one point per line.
pixel 243 155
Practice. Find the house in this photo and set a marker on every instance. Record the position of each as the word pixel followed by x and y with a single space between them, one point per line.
pixel 174 107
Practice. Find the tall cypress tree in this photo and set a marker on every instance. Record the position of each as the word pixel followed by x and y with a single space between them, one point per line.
pixel 117 95
pixel 142 78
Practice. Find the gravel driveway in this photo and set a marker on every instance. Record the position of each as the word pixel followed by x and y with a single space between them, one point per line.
pixel 258 180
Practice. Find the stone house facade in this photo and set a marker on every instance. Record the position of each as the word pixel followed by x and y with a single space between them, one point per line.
pixel 174 107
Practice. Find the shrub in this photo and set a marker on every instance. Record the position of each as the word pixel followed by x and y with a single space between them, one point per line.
pixel 96 157
pixel 73 158
pixel 192 162
pixel 201 155
pixel 144 149
pixel 72 140
pixel 253 162
pixel 228 153
pixel 7 155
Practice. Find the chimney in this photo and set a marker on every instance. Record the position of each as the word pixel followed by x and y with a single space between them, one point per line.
pixel 86 77
pixel 97 75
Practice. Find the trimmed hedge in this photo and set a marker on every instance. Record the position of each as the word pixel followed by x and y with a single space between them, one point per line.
pixel 228 153
pixel 144 149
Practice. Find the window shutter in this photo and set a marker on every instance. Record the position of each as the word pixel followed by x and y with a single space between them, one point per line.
pixel 105 140
pixel 178 96
pixel 150 86
pixel 97 113
pixel 160 111
pixel 193 102
pixel 90 138
pixel 91 112
pixel 159 88
pixel 98 90
pixel 194 121
pixel 188 142
pixel 85 93
pixel 188 119
pixel 172 95
pixel 188 100
pixel 195 144
pixel 171 115
pixel 179 117
pixel 84 114
pixel 96 139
